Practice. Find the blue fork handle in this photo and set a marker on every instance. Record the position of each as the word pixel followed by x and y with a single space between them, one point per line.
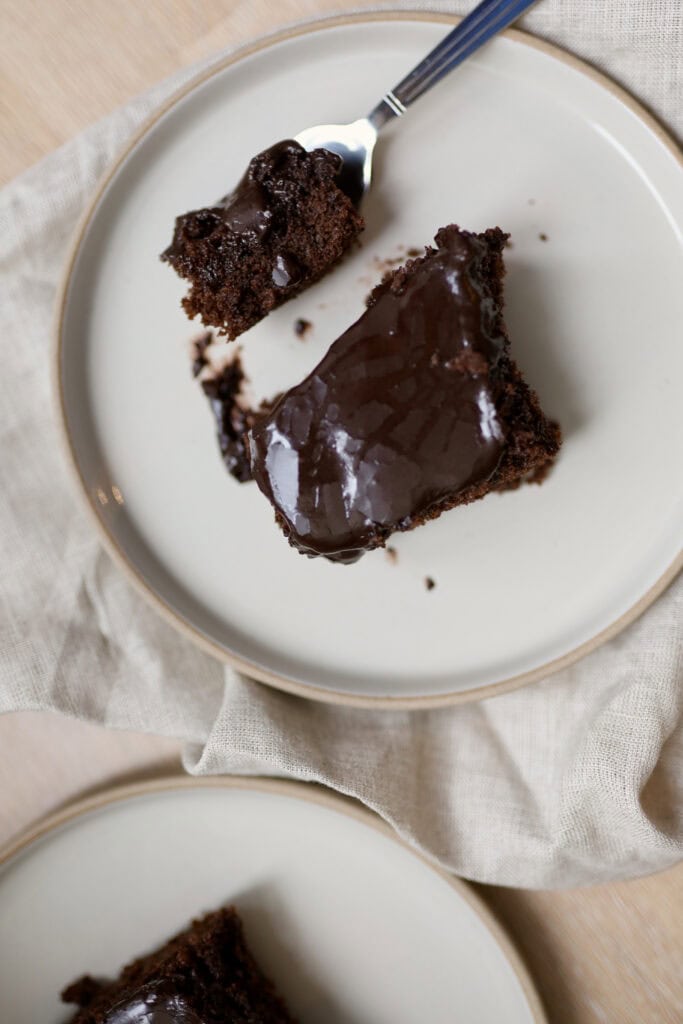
pixel 483 23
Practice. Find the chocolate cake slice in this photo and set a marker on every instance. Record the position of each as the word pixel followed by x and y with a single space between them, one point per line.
pixel 416 408
pixel 285 225
pixel 205 975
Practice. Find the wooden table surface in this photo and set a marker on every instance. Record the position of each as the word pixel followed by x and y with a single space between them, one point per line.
pixel 612 953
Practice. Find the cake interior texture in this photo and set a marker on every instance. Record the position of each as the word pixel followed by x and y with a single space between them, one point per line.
pixel 417 408
pixel 283 227
pixel 204 975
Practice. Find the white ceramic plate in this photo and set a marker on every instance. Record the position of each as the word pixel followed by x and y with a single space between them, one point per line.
pixel 352 926
pixel 520 136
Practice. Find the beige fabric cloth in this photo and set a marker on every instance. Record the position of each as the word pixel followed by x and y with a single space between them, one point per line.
pixel 574 780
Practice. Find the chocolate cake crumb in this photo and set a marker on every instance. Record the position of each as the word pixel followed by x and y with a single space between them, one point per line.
pixel 382 265
pixel 232 411
pixel 233 416
pixel 83 991
pixel 391 553
pixel 204 975
pixel 543 236
pixel 385 264
pixel 302 327
pixel 429 583
pixel 282 228
pixel 200 345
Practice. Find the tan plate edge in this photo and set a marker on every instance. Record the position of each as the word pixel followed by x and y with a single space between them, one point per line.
pixel 130 571
pixel 302 791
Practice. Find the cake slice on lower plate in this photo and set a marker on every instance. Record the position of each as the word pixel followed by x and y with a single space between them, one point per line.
pixel 204 975
pixel 417 408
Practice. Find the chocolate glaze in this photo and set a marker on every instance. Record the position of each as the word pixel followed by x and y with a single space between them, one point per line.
pixel 248 210
pixel 245 211
pixel 157 1002
pixel 286 271
pixel 400 414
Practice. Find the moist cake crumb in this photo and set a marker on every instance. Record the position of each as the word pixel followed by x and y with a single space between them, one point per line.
pixel 199 348
pixel 429 583
pixel 543 236
pixel 392 554
pixel 383 265
pixel 302 327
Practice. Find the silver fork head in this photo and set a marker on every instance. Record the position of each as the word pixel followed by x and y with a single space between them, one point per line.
pixel 354 143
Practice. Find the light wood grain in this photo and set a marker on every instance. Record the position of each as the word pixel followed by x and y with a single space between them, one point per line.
pixel 66 63
pixel 608 954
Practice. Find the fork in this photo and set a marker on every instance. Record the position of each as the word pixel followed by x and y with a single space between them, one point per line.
pixel 355 142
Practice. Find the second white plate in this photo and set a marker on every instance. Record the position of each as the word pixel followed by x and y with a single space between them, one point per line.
pixel 351 925
pixel 518 137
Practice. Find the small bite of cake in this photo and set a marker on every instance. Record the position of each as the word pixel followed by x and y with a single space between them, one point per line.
pixel 204 975
pixel 283 227
pixel 417 408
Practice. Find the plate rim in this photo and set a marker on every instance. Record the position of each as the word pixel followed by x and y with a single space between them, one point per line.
pixel 308 793
pixel 135 576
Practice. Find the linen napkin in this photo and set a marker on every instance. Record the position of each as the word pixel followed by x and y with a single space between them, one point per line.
pixel 573 780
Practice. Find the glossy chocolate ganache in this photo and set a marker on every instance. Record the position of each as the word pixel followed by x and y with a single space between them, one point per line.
pixel 158 1001
pixel 401 416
